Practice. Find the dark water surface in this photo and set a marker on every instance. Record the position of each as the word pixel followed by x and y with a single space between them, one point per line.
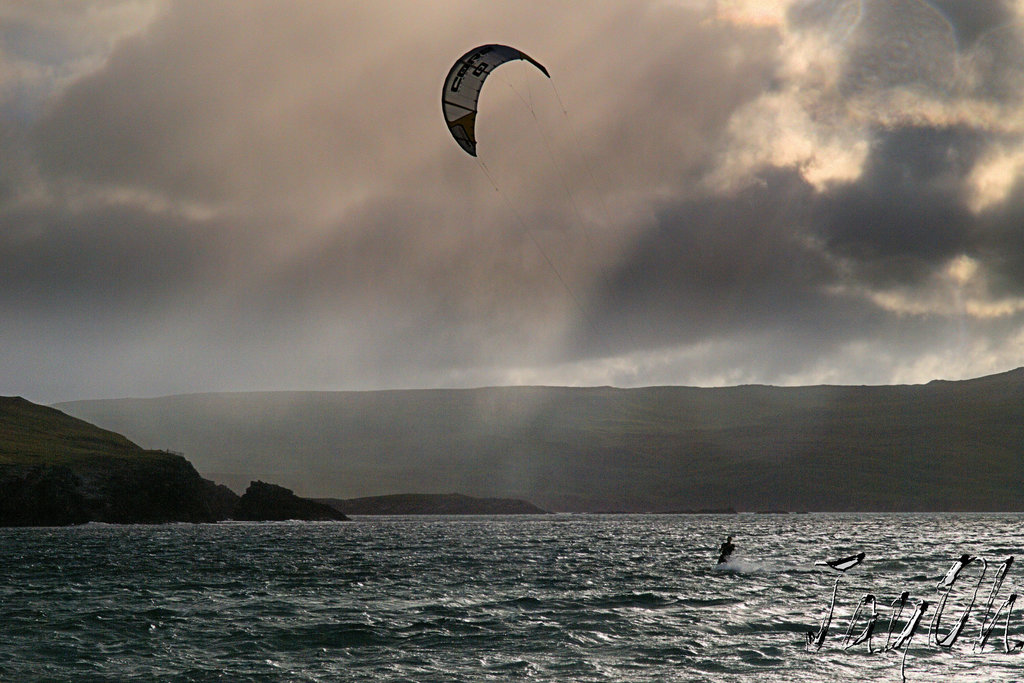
pixel 552 598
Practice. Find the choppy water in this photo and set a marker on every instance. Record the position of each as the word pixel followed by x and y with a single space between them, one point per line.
pixel 554 598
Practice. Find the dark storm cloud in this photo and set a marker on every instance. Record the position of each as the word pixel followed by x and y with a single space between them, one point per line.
pixel 106 260
pixel 975 18
pixel 721 265
pixel 907 213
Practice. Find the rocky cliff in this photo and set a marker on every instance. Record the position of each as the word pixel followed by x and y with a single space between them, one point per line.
pixel 267 502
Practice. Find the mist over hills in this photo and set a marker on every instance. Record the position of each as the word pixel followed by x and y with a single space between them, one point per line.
pixel 938 446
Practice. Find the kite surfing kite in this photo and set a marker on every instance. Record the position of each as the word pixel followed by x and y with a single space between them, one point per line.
pixel 462 88
pixel 459 97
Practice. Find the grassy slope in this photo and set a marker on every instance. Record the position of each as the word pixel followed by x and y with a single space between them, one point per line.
pixel 945 445
pixel 31 434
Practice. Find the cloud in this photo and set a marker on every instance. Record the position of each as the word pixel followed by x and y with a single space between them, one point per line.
pixel 262 194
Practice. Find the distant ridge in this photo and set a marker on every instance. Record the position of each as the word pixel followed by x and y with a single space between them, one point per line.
pixel 432 504
pixel 945 445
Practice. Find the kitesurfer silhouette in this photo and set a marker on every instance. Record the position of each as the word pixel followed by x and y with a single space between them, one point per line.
pixel 726 550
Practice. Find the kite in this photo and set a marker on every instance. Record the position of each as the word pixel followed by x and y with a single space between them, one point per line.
pixel 462 88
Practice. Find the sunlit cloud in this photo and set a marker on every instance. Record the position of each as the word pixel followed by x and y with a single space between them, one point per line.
pixel 994 176
pixel 779 131
pixel 848 68
pixel 752 12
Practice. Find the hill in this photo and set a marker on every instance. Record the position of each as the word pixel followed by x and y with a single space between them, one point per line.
pixel 939 446
pixel 432 504
pixel 56 469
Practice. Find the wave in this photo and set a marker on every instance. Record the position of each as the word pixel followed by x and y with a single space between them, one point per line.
pixel 745 566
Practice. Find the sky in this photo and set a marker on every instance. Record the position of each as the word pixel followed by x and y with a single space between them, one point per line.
pixel 262 195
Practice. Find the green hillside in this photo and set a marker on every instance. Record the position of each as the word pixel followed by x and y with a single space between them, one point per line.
pixel 31 434
pixel 940 446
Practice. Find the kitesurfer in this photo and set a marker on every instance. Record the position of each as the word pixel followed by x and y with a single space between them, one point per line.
pixel 726 550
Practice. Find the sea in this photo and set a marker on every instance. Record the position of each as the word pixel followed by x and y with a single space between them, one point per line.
pixel 508 598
